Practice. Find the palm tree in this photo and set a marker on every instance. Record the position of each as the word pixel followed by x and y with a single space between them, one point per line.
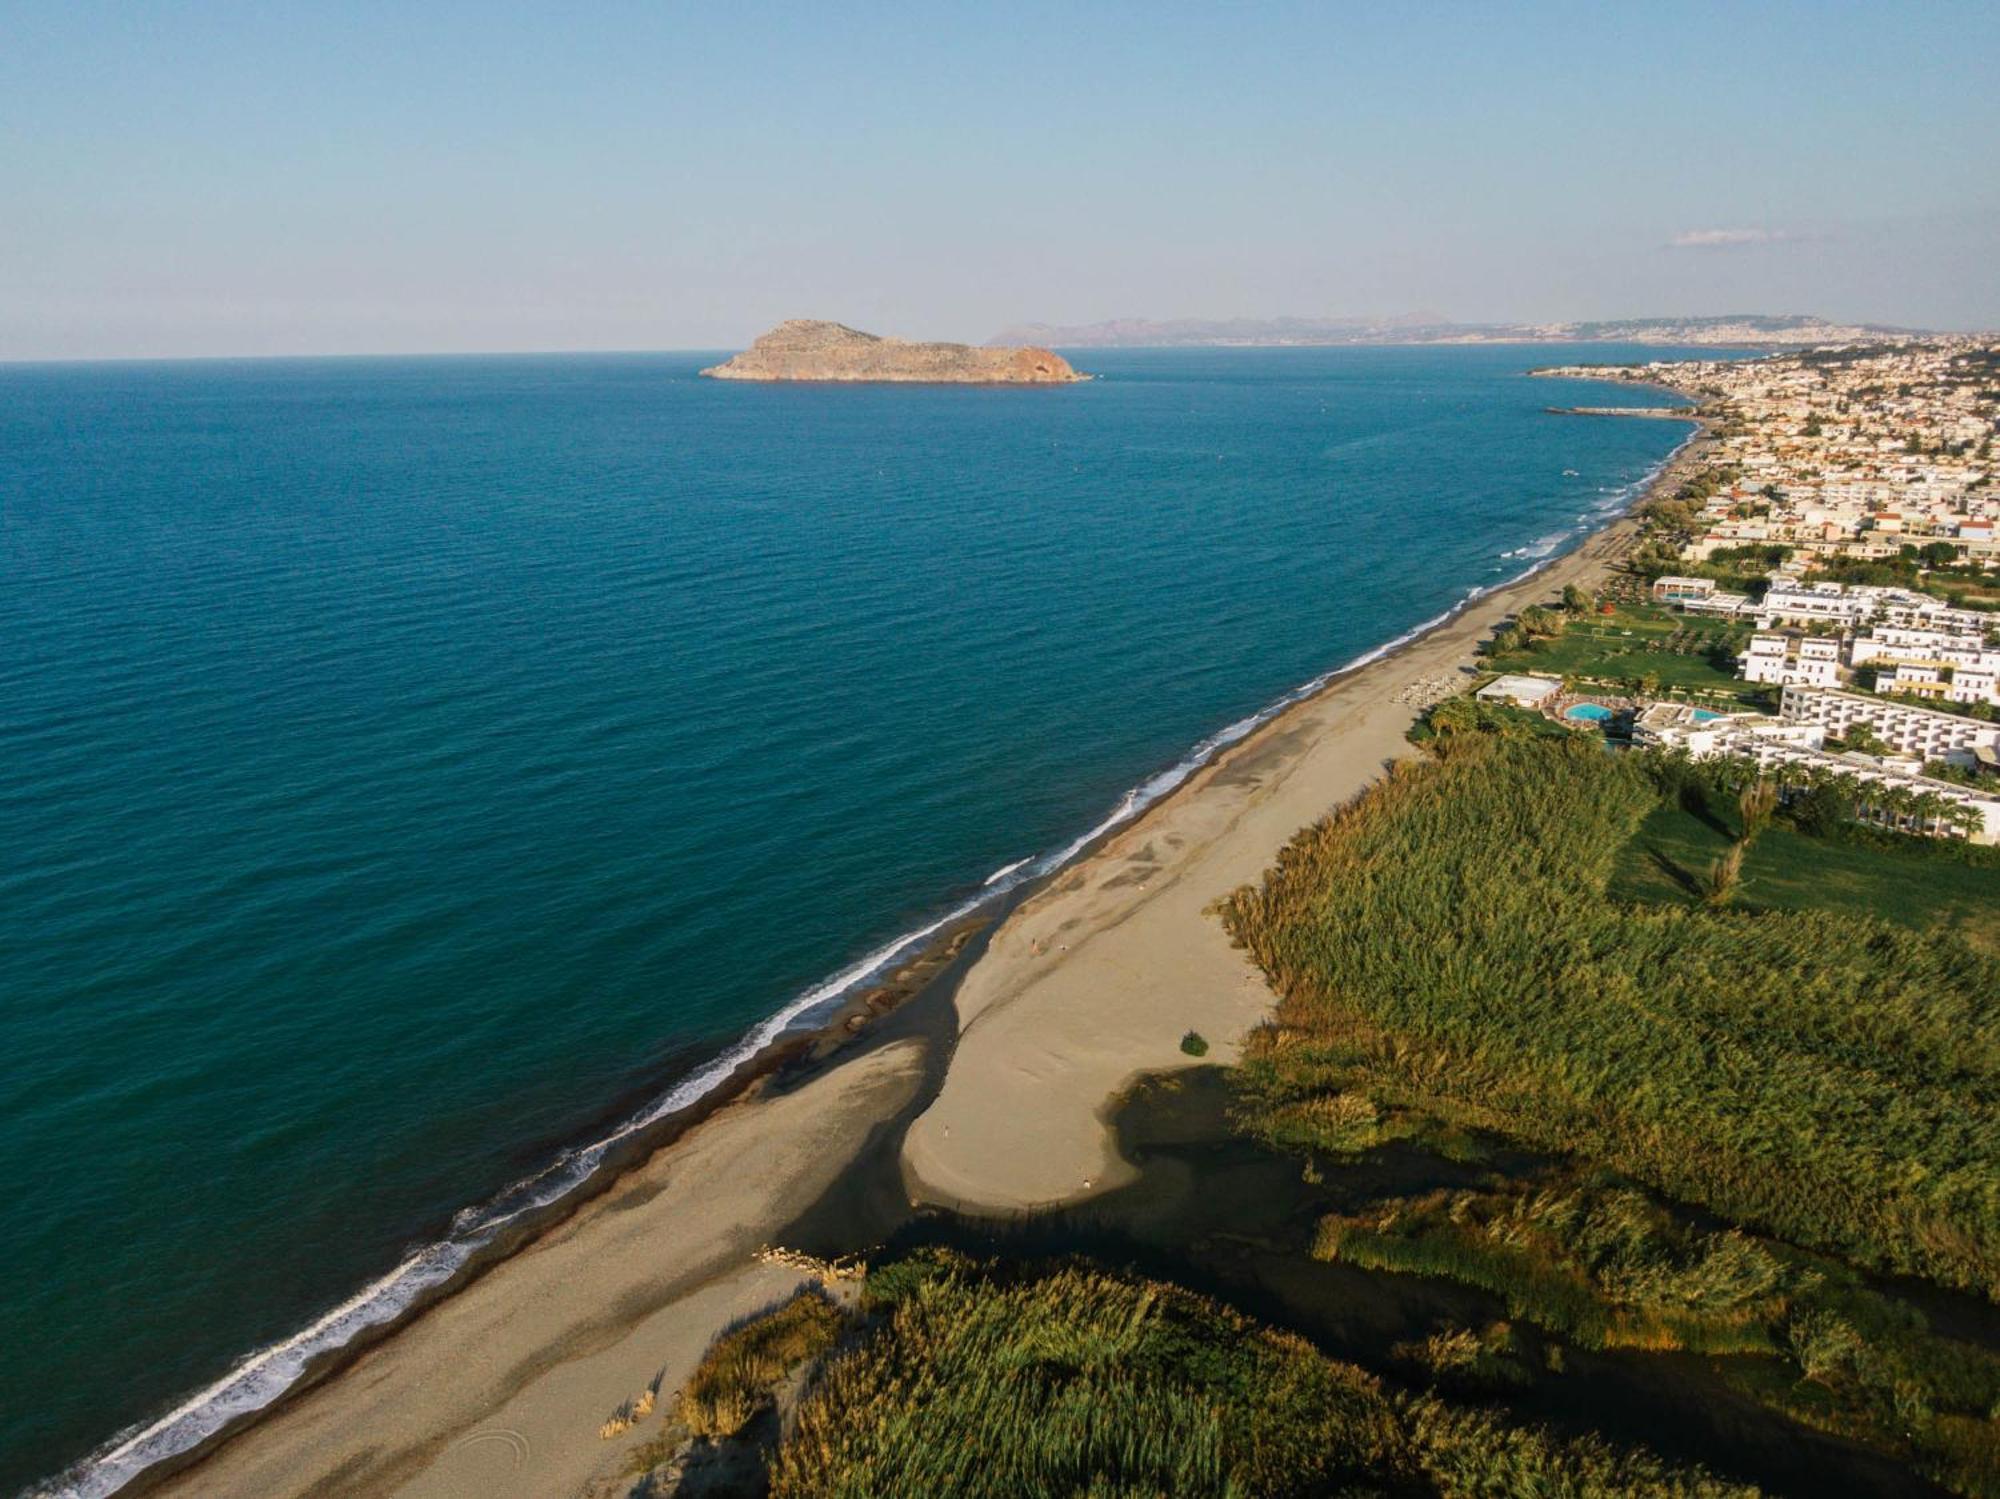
pixel 1930 809
pixel 1900 802
pixel 1788 776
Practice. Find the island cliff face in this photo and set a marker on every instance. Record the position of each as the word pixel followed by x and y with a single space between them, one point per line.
pixel 805 349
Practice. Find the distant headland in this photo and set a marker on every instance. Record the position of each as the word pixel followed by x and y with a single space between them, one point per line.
pixel 1740 330
pixel 807 349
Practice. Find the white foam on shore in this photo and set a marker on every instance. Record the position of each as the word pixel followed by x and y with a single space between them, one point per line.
pixel 1006 869
pixel 265 1376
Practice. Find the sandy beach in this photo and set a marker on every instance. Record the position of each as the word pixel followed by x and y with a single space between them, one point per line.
pixel 1089 983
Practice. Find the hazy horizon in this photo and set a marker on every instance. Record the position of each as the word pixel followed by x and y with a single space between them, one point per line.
pixel 240 180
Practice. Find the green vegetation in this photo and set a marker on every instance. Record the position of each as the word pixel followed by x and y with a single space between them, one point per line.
pixel 979 1378
pixel 1446 948
pixel 1638 645
pixel 1465 715
pixel 1194 1044
pixel 1933 568
pixel 736 1378
pixel 1923 884
pixel 1606 1266
pixel 1599 1263
pixel 1650 969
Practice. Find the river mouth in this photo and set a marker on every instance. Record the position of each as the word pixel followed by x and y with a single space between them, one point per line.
pixel 1234 1219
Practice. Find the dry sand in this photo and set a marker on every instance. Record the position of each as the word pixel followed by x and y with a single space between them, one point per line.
pixel 1095 980
pixel 502 1388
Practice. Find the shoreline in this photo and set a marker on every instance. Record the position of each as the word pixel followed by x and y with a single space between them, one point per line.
pixel 1092 982
pixel 859 1071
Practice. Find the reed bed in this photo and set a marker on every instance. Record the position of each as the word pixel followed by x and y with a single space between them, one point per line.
pixel 1444 947
pixel 989 1379
pixel 738 1376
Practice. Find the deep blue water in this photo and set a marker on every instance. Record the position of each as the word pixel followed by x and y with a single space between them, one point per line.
pixel 405 762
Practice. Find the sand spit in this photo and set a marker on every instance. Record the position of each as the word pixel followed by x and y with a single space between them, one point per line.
pixel 1094 980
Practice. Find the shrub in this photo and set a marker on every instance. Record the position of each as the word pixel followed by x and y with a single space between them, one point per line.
pixel 1194 1044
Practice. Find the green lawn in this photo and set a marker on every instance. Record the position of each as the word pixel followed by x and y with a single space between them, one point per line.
pixel 1787 871
pixel 1681 650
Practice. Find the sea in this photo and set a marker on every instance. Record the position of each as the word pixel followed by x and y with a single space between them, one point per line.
pixel 416 773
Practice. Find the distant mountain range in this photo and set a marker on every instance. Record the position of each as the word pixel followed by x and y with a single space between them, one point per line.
pixel 1427 328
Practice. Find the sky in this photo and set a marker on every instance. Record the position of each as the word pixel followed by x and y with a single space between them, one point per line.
pixel 269 178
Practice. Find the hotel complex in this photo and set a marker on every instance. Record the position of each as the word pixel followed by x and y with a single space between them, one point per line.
pixel 1844 458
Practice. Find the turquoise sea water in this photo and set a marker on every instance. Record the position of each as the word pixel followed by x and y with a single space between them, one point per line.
pixel 410 768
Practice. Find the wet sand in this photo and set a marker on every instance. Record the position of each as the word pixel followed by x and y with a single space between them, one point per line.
pixel 1086 985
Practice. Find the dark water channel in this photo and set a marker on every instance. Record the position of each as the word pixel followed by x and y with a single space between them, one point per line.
pixel 1235 1220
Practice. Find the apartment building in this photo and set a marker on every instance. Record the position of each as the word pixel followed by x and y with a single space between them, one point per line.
pixel 1789 660
pixel 1918 732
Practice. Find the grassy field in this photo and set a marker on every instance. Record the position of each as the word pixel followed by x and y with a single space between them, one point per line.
pixel 1022 1380
pixel 1640 640
pixel 1941 888
pixel 1446 946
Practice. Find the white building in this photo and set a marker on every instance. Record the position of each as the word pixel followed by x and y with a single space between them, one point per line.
pixel 1917 732
pixel 1852 607
pixel 1522 691
pixel 1790 660
pixel 1680 590
pixel 1953 664
pixel 1974 685
pixel 1701 733
pixel 1769 743
pixel 1814 604
pixel 1927 647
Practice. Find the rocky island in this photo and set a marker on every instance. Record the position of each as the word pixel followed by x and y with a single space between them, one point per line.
pixel 808 349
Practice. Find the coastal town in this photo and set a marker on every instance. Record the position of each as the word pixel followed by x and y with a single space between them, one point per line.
pixel 1833 551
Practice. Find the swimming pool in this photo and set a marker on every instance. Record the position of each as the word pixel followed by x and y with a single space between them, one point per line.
pixel 1702 715
pixel 1587 712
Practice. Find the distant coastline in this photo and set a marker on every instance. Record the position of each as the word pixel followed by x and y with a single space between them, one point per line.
pixel 1733 331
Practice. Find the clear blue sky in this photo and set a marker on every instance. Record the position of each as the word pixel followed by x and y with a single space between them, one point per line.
pixel 263 178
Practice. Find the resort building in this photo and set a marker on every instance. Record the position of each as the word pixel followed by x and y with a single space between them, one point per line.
pixel 1974 685
pixel 1893 643
pixel 1521 691
pixel 1814 604
pixel 1680 590
pixel 1700 733
pixel 1955 665
pixel 1790 660
pixel 1725 605
pixel 1887 789
pixel 1850 608
pixel 1700 596
pixel 1917 732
